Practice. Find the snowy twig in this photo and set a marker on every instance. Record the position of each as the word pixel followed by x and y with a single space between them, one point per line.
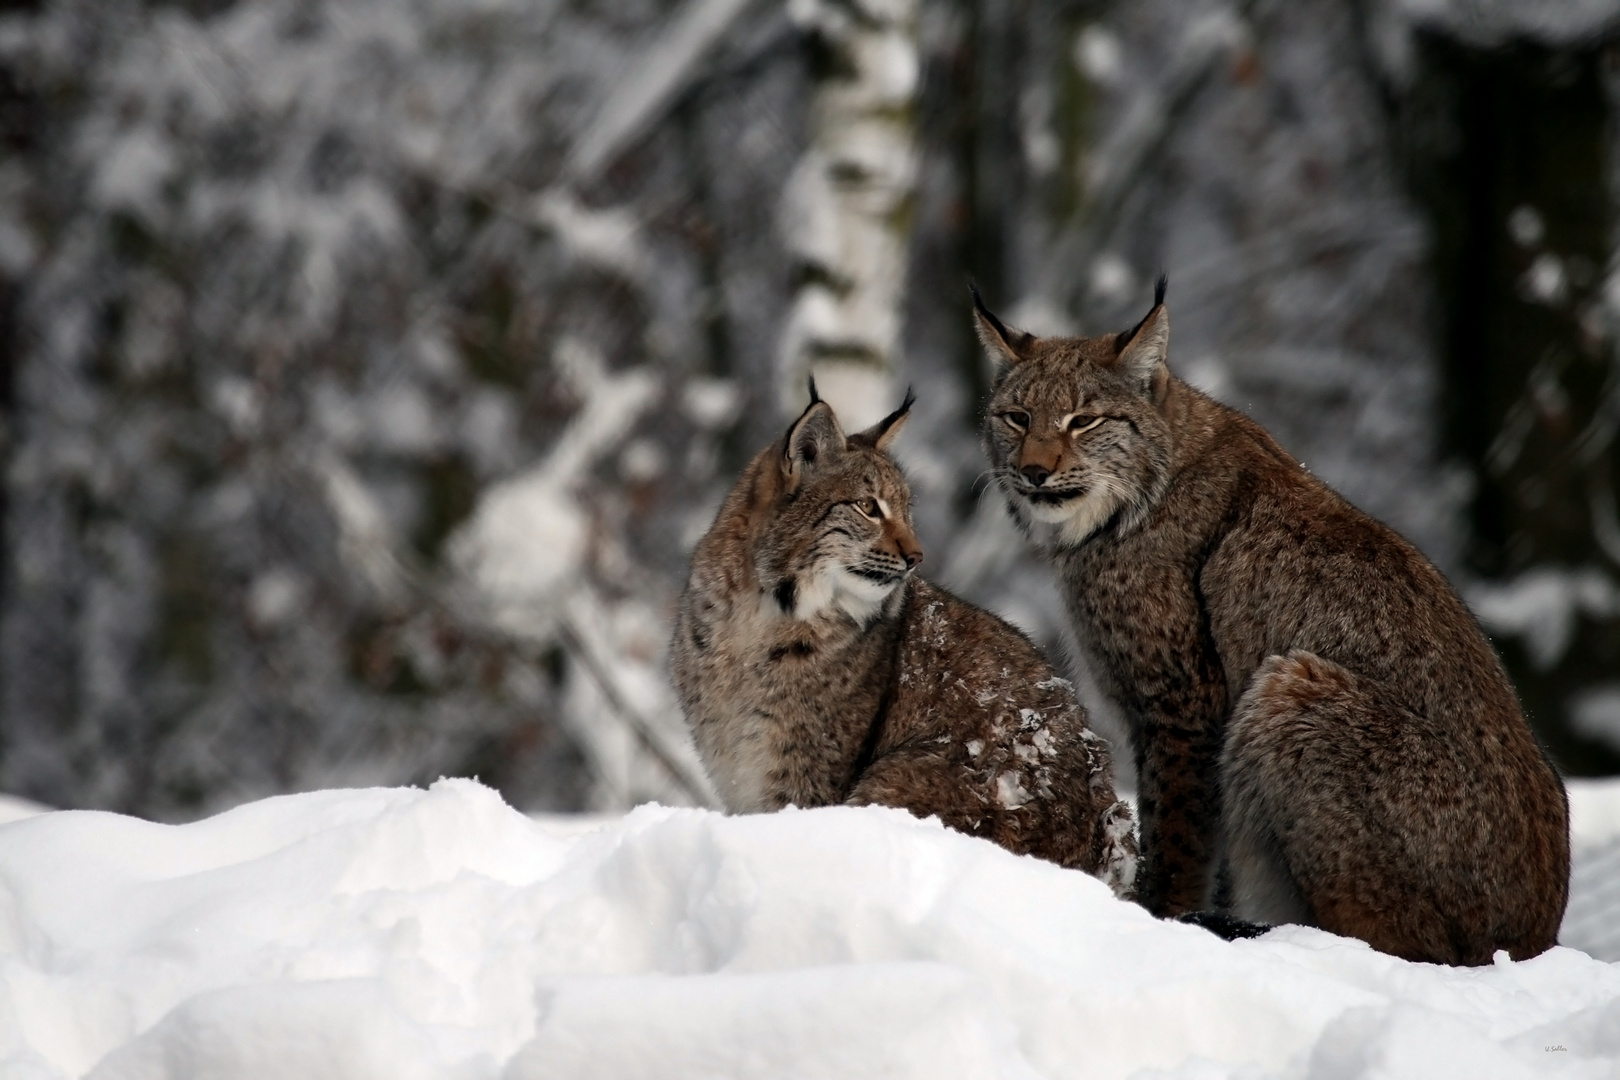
pixel 1121 161
pixel 607 239
pixel 646 733
pixel 654 80
pixel 1129 155
pixel 365 541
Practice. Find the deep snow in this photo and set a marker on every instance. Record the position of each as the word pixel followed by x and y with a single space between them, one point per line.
pixel 403 933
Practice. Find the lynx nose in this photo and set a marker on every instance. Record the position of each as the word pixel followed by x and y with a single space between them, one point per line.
pixel 913 558
pixel 1036 474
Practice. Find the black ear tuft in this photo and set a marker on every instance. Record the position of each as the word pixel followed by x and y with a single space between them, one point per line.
pixel 986 314
pixel 787 445
pixel 812 440
pixel 1004 345
pixel 882 433
pixel 1123 338
pixel 1142 352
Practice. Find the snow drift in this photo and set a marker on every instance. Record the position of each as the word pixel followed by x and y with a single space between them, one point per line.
pixel 403 933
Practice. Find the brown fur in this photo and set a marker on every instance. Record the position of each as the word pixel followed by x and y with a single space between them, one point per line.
pixel 800 693
pixel 1310 703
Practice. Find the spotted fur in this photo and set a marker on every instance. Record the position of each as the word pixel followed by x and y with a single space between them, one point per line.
pixel 815 668
pixel 1311 706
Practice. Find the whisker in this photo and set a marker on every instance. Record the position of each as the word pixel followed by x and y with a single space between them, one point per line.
pixel 987 490
pixel 996 473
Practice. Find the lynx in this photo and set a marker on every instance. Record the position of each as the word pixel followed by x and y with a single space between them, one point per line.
pixel 816 668
pixel 1312 709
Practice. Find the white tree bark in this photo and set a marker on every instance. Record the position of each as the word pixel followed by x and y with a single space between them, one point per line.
pixel 848 208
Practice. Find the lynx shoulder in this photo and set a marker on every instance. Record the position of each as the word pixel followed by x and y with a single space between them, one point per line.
pixel 1312 709
pixel 815 668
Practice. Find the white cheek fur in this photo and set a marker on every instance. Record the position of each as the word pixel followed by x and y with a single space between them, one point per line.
pixel 1074 521
pixel 834 588
pixel 860 598
pixel 1091 511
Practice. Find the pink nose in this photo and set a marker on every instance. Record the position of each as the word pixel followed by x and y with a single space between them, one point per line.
pixel 1035 474
pixel 913 558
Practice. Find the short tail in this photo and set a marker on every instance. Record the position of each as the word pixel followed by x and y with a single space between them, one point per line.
pixel 1223 926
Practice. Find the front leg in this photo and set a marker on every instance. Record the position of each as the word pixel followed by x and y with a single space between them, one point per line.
pixel 1153 637
pixel 1179 807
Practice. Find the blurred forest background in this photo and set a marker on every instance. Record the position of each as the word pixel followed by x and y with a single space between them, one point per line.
pixel 369 367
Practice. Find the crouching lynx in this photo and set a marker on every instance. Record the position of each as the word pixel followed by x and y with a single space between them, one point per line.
pixel 815 668
pixel 1309 701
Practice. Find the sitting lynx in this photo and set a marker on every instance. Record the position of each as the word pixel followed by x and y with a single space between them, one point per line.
pixel 1309 701
pixel 815 669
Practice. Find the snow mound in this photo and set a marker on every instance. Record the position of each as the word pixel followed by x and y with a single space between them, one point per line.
pixel 439 933
pixel 1594 813
pixel 14 809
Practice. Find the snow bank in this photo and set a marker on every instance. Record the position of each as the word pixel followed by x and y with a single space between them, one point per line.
pixel 405 933
pixel 1590 923
pixel 14 809
pixel 1594 813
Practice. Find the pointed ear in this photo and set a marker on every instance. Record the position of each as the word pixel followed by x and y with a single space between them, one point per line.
pixel 1004 345
pixel 813 440
pixel 884 432
pixel 1144 351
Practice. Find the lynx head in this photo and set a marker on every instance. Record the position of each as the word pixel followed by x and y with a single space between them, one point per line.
pixel 1076 428
pixel 840 532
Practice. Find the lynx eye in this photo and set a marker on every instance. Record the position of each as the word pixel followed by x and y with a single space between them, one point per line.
pixel 869 508
pixel 1084 423
pixel 1017 419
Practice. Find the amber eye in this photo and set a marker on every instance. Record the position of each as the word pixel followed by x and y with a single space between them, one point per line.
pixel 870 508
pixel 1084 423
pixel 1017 419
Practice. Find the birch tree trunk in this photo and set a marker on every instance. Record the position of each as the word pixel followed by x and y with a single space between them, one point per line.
pixel 848 206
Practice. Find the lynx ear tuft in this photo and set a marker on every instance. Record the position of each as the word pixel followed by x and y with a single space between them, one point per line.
pixel 813 440
pixel 1144 351
pixel 884 432
pixel 1004 345
pixel 1124 337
